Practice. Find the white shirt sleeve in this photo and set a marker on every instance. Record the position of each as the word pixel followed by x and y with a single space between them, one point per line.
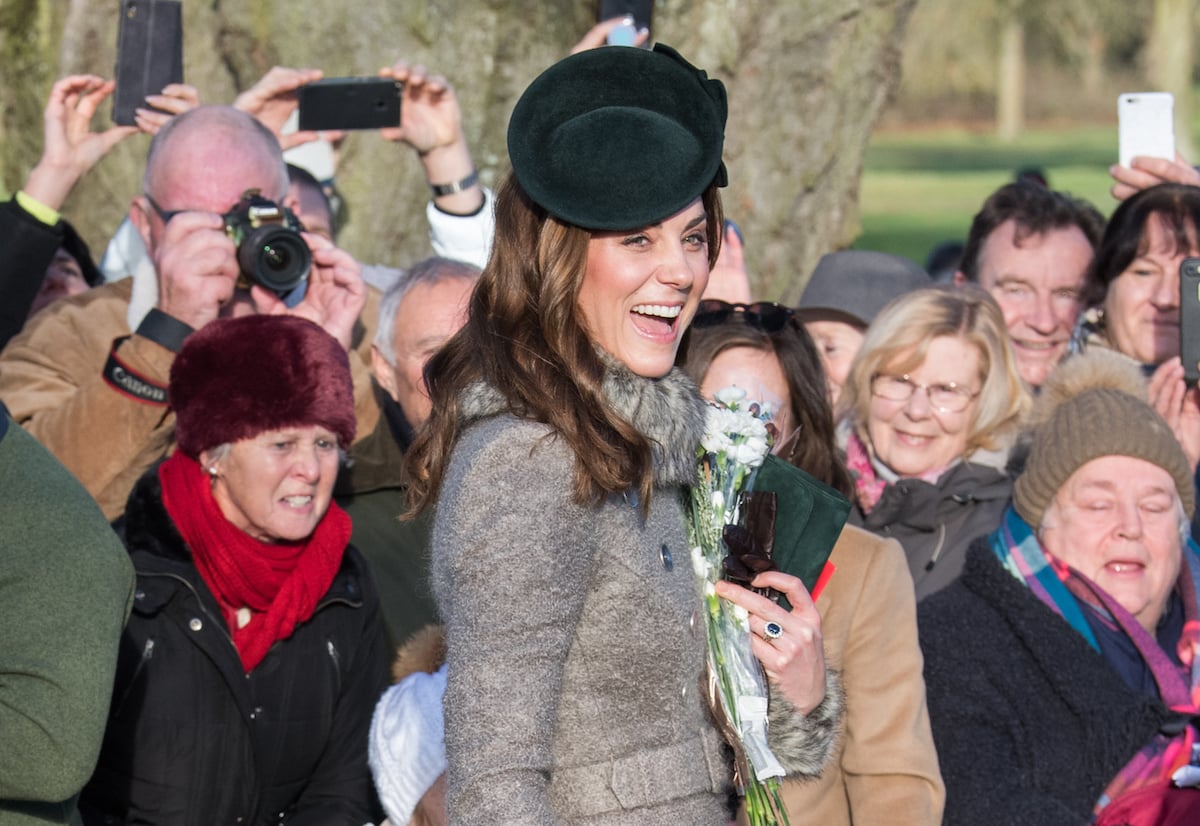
pixel 463 237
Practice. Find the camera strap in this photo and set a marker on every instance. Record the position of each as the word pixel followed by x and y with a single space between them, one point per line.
pixel 163 329
pixel 129 382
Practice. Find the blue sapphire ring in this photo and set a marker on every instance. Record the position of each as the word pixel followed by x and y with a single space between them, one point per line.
pixel 772 631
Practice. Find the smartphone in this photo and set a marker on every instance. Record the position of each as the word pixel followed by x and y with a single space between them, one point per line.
pixel 1189 319
pixel 149 54
pixel 639 10
pixel 1146 125
pixel 350 103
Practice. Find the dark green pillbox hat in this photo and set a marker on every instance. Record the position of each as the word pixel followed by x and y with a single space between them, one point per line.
pixel 618 138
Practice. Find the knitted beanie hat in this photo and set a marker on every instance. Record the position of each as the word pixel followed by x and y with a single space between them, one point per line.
pixel 238 377
pixel 407 746
pixel 1094 405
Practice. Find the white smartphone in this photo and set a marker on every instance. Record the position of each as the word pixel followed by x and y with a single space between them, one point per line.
pixel 1146 125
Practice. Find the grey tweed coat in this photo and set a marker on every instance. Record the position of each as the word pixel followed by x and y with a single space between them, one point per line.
pixel 575 643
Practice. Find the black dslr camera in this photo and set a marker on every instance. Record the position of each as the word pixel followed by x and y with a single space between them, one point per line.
pixel 270 251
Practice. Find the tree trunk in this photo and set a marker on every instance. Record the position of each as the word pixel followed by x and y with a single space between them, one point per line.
pixel 806 80
pixel 1169 64
pixel 1093 64
pixel 1010 87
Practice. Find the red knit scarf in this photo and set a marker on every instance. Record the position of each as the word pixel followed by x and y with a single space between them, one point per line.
pixel 280 582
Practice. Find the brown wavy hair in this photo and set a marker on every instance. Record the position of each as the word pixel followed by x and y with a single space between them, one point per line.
pixel 526 337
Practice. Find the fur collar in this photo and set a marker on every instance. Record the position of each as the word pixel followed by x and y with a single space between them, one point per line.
pixel 667 411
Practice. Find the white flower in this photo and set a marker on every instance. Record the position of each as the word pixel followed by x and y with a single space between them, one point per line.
pixel 741 613
pixel 750 453
pixel 718 501
pixel 710 590
pixel 715 441
pixel 730 396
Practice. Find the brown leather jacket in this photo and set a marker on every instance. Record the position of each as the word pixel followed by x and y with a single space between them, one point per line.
pixel 52 380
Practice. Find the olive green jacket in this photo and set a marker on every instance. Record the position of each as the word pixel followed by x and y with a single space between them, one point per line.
pixel 66 585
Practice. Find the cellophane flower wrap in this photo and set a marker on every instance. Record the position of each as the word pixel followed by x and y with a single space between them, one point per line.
pixel 737 438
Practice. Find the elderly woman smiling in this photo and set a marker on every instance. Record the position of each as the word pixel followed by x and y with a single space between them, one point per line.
pixel 255 650
pixel 1062 667
pixel 933 400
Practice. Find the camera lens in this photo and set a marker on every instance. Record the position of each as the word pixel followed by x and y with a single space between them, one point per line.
pixel 275 257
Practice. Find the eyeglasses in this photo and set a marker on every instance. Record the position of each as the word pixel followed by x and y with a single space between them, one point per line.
pixel 762 315
pixel 164 215
pixel 949 397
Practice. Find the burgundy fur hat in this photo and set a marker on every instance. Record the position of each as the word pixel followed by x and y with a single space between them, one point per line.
pixel 237 377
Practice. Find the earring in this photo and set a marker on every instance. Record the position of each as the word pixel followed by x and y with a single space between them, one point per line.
pixel 211 470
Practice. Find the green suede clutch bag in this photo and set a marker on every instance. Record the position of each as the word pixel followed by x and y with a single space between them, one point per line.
pixel 808 521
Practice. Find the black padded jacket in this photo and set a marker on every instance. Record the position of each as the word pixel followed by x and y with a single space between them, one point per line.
pixel 193 739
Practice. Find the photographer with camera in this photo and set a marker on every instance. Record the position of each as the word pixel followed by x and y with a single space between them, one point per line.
pixel 88 376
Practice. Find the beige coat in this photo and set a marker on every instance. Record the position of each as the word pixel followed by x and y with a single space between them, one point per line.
pixel 52 379
pixel 884 768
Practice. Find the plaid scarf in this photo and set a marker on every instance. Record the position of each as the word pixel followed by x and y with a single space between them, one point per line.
pixel 1066 591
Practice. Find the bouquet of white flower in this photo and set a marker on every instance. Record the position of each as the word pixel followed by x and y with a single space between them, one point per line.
pixel 737 439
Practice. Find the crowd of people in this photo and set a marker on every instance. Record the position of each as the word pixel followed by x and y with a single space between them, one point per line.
pixel 409 545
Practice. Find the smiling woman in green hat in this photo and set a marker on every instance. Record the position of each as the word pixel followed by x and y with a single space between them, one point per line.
pixel 560 437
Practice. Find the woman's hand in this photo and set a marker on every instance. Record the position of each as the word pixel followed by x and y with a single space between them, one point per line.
pixel 795 660
pixel 175 99
pixel 70 148
pixel 336 292
pixel 597 35
pixel 1179 405
pixel 728 279
pixel 274 98
pixel 1147 172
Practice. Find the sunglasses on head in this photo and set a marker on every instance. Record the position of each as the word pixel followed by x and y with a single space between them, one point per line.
pixel 762 315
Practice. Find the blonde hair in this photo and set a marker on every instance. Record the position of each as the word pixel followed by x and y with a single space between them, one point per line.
pixel 898 341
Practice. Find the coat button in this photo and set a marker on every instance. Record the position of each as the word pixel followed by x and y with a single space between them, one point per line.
pixel 195 624
pixel 139 594
pixel 667 561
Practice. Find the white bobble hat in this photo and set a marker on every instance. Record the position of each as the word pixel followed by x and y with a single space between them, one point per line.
pixel 407 746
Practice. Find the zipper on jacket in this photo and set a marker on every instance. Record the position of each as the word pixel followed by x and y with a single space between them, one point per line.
pixel 337 663
pixel 147 653
pixel 938 550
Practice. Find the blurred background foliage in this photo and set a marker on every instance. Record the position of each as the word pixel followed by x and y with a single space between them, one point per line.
pixel 971 110
pixel 878 123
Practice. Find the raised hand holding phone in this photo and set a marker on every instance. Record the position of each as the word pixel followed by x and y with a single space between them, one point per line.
pixel 149 54
pixel 349 103
pixel 1146 126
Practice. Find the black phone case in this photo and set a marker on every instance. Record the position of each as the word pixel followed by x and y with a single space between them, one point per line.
pixel 642 10
pixel 349 103
pixel 1189 318
pixel 149 53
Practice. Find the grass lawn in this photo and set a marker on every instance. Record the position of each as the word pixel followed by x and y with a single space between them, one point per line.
pixel 923 187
